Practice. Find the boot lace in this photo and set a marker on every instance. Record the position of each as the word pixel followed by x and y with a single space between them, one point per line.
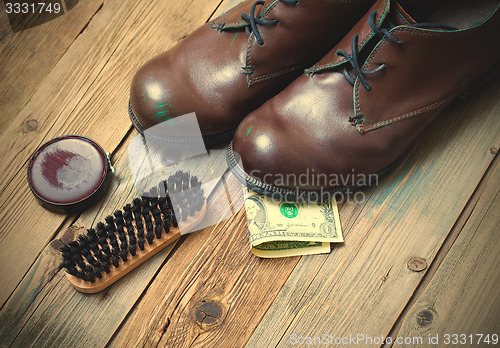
pixel 252 21
pixel 352 58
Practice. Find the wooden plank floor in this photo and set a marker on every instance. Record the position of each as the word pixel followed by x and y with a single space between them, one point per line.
pixel 420 258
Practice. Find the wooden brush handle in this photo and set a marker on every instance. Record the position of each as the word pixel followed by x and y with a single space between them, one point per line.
pixel 140 256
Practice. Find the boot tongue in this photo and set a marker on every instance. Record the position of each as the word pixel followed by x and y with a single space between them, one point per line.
pixel 388 14
pixel 382 9
pixel 398 16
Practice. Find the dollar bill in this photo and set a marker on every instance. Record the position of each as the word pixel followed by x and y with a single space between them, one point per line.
pixel 280 229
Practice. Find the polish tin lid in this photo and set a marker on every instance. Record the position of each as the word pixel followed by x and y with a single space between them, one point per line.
pixel 69 173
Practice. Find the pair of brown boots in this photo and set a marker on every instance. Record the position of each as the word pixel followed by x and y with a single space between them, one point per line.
pixel 314 91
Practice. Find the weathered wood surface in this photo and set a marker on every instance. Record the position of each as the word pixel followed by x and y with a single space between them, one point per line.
pixel 45 302
pixel 463 297
pixel 86 93
pixel 20 315
pixel 212 292
pixel 28 56
pixel 208 289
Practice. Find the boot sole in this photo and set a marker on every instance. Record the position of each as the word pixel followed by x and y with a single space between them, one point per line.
pixel 294 195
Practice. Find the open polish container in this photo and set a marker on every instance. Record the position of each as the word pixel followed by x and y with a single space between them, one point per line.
pixel 69 173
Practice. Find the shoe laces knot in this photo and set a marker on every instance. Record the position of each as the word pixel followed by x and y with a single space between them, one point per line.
pixel 252 21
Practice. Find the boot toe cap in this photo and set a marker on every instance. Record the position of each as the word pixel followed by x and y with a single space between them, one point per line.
pixel 153 96
pixel 266 153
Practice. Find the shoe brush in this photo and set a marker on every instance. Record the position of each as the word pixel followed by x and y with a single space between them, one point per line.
pixel 101 256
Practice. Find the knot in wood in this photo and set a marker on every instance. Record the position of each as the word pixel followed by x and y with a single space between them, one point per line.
pixel 417 264
pixel 30 125
pixel 208 312
pixel 425 318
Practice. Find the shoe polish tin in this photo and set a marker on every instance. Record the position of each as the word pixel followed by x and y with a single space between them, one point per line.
pixel 69 173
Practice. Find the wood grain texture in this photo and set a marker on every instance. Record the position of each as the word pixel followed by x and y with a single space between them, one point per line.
pixel 449 242
pixel 208 289
pixel 226 5
pixel 4 22
pixel 86 93
pixel 212 292
pixel 463 297
pixel 45 302
pixel 363 286
pixel 27 57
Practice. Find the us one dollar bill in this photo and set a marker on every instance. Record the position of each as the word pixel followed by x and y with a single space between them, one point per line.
pixel 280 229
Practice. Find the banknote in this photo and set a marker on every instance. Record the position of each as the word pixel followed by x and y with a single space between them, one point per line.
pixel 279 229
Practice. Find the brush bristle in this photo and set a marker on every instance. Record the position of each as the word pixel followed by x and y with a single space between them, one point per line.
pixel 143 221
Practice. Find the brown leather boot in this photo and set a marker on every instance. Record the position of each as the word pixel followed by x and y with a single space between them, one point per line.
pixel 231 66
pixel 361 107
